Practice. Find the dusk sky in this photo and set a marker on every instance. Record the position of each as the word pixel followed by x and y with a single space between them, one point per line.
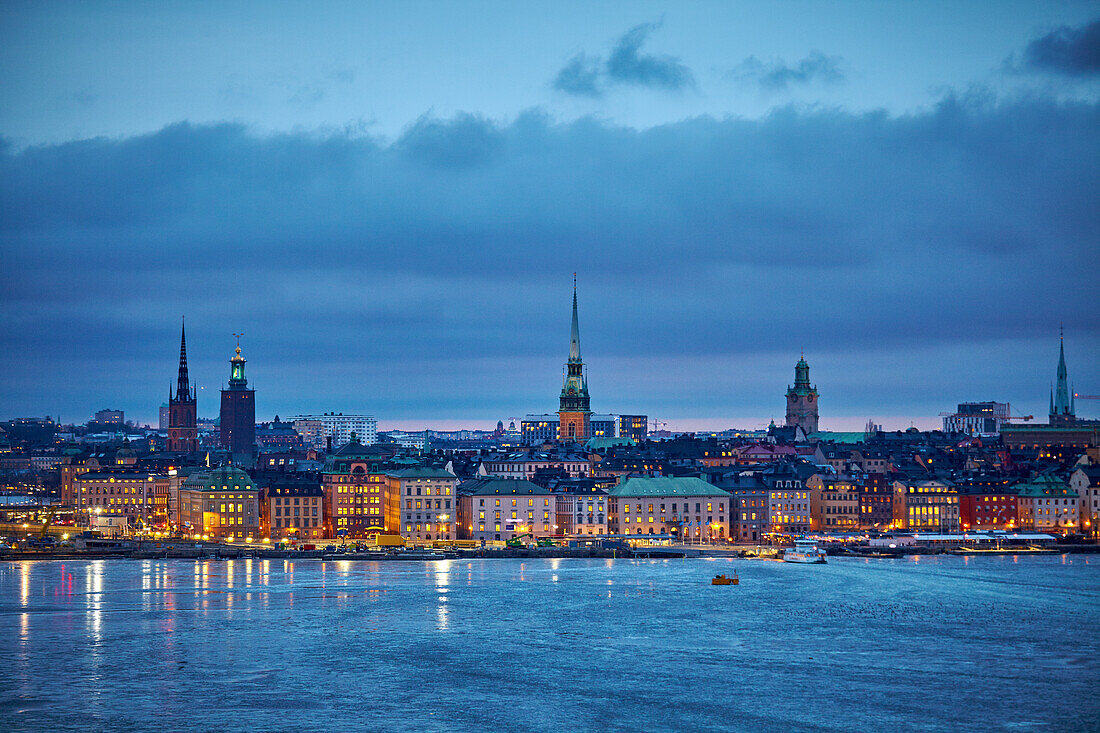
pixel 390 200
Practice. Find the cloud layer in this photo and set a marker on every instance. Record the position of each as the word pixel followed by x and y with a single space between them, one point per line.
pixel 431 275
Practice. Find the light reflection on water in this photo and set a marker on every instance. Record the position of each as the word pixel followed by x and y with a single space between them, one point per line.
pixel 558 644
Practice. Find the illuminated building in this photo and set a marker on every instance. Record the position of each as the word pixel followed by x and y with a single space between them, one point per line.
pixel 429 507
pixel 689 508
pixel 1047 504
pixel 1085 482
pixel 926 506
pixel 574 412
pixel 834 503
pixel 987 502
pixel 183 431
pixel 317 429
pixel 356 501
pixel 138 496
pixel 293 509
pixel 635 427
pixel 495 509
pixel 238 414
pixel 221 503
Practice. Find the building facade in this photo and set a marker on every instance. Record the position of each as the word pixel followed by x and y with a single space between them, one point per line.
pixel 635 427
pixel 498 509
pixel 1047 504
pixel 926 506
pixel 834 503
pixel 293 510
pixel 688 508
pixel 221 504
pixel 336 426
pixel 978 418
pixel 357 502
pixel 429 508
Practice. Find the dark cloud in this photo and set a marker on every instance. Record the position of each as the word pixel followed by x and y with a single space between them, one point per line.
pixel 581 77
pixel 778 75
pixel 1065 50
pixel 627 65
pixel 431 275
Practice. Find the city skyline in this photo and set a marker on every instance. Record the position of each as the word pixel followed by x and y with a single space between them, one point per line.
pixel 917 216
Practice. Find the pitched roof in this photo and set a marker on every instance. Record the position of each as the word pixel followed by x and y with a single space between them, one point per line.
pixel 493 485
pixel 666 486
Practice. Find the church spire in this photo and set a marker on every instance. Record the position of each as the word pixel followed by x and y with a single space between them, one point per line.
pixel 183 385
pixel 1062 404
pixel 575 332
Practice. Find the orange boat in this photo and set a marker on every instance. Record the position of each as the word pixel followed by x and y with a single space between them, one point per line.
pixel 723 580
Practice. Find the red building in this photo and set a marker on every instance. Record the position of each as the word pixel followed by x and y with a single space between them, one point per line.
pixel 987 503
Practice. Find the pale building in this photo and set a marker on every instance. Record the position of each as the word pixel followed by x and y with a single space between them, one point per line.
pixel 688 508
pixel 498 509
pixel 428 505
pixel 1047 504
pixel 339 427
pixel 1085 482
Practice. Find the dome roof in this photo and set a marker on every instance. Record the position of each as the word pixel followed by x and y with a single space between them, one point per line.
pixel 223 478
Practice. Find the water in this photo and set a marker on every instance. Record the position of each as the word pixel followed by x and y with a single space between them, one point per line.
pixel 944 643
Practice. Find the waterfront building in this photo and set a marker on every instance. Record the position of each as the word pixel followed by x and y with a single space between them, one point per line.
pixel 1047 504
pixel 357 503
pixel 876 502
pixel 139 497
pixel 834 503
pixel 581 510
pixel 987 502
pixel 788 497
pixel 496 509
pixel 1085 482
pixel 337 426
pixel 221 503
pixel 238 414
pixel 635 427
pixel 574 411
pixel 925 506
pixel 183 431
pixel 684 507
pixel 293 509
pixel 428 506
pixel 748 505
pixel 802 409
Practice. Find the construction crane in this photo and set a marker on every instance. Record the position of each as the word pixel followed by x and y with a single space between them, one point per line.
pixel 1001 417
pixel 1086 396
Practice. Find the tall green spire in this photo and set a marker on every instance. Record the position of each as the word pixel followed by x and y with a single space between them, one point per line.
pixel 236 376
pixel 1062 404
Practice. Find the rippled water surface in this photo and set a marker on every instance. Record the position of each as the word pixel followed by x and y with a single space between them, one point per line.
pixel 946 643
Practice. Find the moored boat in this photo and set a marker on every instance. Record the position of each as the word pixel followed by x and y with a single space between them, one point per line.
pixel 804 551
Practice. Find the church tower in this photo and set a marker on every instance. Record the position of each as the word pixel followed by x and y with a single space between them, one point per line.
pixel 1062 410
pixel 802 399
pixel 238 413
pixel 574 414
pixel 183 429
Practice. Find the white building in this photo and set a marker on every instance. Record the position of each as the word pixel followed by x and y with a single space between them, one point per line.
pixel 686 507
pixel 503 508
pixel 1085 480
pixel 339 427
pixel 429 508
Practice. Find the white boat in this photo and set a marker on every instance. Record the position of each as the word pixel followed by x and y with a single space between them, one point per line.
pixel 804 551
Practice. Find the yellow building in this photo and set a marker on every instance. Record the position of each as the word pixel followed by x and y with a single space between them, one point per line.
pixel 221 504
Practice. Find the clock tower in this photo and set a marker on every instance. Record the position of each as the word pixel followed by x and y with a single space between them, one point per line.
pixel 802 399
